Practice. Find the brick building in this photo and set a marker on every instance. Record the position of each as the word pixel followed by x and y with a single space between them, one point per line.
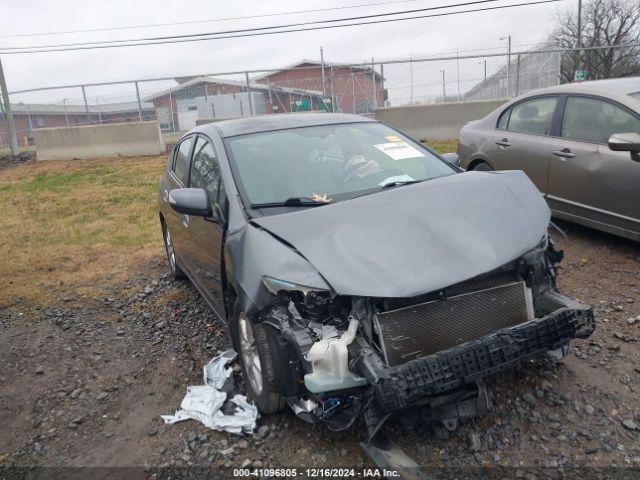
pixel 349 88
pixel 177 108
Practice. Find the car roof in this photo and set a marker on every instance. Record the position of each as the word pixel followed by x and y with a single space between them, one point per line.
pixel 624 86
pixel 278 121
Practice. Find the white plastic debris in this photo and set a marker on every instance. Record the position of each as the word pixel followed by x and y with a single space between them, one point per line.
pixel 216 372
pixel 203 402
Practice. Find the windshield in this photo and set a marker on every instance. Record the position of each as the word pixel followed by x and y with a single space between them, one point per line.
pixel 328 163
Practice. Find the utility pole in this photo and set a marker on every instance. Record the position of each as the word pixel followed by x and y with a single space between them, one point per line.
pixel 13 140
pixel 444 95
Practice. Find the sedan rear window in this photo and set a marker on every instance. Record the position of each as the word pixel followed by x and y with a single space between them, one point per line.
pixel 329 161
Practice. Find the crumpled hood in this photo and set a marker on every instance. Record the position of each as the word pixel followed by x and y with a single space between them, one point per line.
pixel 418 238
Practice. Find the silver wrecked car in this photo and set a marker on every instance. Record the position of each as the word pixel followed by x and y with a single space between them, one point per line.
pixel 359 272
pixel 578 143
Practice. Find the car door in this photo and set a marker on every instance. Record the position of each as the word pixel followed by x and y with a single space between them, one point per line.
pixel 177 177
pixel 587 180
pixel 521 138
pixel 205 234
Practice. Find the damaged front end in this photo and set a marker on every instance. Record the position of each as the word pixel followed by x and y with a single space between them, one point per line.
pixel 341 358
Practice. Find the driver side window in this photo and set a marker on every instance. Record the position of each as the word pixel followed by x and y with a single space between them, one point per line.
pixel 205 170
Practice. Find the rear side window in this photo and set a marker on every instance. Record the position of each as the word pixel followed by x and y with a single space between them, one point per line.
pixel 593 120
pixel 181 162
pixel 205 170
pixel 532 116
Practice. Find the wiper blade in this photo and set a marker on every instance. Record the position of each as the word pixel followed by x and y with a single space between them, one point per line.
pixel 399 183
pixel 291 202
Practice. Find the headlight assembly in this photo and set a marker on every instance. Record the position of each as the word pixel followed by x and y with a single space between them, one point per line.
pixel 275 285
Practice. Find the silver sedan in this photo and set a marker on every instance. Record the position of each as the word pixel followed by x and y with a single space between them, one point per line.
pixel 579 144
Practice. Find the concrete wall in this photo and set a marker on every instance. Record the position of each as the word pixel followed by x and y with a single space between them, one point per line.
pixel 95 141
pixel 438 121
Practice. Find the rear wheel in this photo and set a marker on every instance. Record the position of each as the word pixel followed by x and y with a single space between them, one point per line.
pixel 482 167
pixel 176 271
pixel 257 362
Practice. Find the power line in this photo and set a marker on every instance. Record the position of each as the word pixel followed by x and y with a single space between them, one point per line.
pixel 261 31
pixel 211 20
pixel 253 29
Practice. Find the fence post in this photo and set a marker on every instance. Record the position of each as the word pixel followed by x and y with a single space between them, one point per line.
pixel 384 103
pixel 86 104
pixel 13 139
pixel 98 108
pixel 353 90
pixel 517 75
pixel 322 69
pixel 458 71
pixel 139 103
pixel 333 93
pixel 411 80
pixel 373 84
pixel 246 76
pixel 173 122
pixel 270 97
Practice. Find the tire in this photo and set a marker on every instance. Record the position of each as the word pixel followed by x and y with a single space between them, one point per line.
pixel 482 167
pixel 257 362
pixel 176 271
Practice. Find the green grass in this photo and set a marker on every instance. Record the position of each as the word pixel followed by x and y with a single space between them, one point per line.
pixel 448 146
pixel 61 216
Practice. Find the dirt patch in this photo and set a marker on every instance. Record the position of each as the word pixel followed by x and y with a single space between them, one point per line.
pixel 8 161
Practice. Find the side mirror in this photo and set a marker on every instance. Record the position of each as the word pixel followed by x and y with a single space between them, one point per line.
pixel 191 201
pixel 626 142
pixel 452 158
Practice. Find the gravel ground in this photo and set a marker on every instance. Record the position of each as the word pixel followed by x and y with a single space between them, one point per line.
pixel 84 381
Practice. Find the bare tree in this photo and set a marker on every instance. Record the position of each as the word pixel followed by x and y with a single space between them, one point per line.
pixel 604 23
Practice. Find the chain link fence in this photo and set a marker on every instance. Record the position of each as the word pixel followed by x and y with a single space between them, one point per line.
pixel 180 103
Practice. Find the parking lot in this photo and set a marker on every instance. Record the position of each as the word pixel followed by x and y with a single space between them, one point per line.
pixel 97 342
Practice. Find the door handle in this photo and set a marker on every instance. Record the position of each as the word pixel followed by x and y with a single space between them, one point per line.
pixel 503 143
pixel 165 195
pixel 185 220
pixel 564 153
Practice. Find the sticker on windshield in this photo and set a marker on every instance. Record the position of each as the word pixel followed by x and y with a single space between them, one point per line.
pixel 399 150
pixel 393 138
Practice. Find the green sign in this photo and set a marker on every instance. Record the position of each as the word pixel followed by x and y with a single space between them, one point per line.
pixel 580 75
pixel 303 105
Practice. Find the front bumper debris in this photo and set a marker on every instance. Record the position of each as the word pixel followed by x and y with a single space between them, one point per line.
pixel 400 386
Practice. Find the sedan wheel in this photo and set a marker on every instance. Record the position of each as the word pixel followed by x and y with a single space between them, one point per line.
pixel 483 167
pixel 260 360
pixel 171 254
pixel 250 354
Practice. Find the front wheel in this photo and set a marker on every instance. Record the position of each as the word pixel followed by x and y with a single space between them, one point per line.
pixel 257 362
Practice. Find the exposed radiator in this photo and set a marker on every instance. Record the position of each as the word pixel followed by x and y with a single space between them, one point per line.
pixel 420 330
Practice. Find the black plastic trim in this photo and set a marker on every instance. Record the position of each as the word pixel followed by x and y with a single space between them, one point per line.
pixel 443 371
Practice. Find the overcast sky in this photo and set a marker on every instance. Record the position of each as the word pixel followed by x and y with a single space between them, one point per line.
pixel 526 25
